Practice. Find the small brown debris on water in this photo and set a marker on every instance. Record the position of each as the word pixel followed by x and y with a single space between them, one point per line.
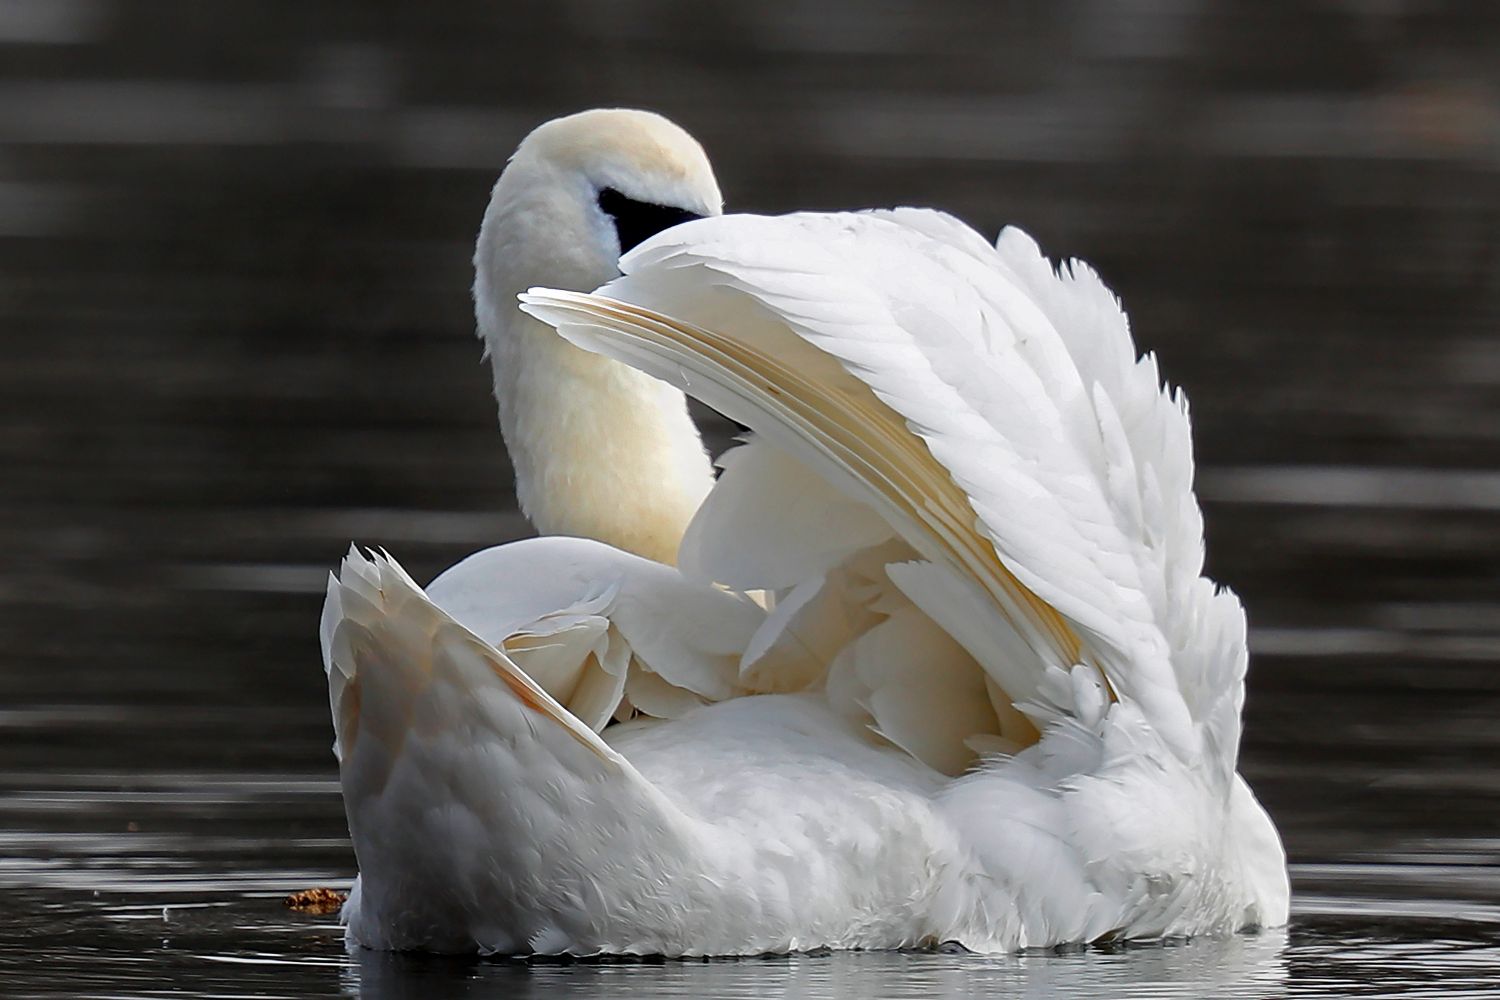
pixel 321 900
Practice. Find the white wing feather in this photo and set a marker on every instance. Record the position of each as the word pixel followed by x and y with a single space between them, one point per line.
pixel 989 409
pixel 770 523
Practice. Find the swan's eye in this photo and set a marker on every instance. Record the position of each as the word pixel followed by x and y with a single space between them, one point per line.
pixel 638 221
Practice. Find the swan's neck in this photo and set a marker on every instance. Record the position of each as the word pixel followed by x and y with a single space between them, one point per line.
pixel 599 449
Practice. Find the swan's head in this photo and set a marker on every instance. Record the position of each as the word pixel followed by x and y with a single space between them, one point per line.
pixel 582 190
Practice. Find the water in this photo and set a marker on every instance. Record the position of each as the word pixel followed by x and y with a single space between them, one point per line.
pixel 234 327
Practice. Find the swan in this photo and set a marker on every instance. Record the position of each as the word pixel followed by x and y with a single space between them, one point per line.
pixel 932 660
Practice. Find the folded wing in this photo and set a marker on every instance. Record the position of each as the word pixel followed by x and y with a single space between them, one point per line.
pixel 605 634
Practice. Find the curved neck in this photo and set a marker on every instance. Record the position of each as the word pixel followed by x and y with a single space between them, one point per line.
pixel 599 449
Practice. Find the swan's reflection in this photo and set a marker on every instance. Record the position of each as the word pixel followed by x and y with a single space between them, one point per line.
pixel 1247 965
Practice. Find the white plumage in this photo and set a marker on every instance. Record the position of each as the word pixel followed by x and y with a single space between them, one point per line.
pixel 979 690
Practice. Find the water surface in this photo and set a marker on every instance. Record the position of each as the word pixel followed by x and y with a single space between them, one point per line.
pixel 235 335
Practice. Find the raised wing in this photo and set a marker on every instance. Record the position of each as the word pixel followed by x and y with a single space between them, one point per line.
pixel 987 409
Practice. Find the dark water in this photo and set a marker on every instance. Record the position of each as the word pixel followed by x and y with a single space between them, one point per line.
pixel 234 334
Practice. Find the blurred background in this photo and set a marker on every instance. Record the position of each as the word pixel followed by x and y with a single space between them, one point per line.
pixel 235 334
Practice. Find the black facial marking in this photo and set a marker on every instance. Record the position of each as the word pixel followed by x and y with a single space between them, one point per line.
pixel 638 221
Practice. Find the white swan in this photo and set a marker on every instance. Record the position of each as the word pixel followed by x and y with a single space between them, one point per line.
pixel 992 700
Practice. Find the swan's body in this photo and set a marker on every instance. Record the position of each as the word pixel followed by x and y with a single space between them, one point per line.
pixel 984 695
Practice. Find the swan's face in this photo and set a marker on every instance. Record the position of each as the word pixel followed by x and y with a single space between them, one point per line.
pixel 582 190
